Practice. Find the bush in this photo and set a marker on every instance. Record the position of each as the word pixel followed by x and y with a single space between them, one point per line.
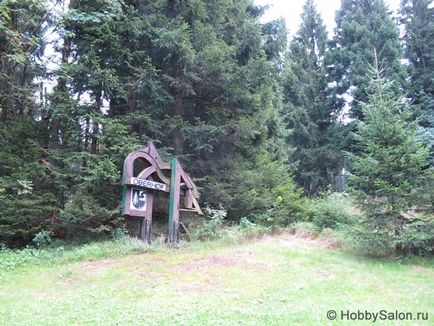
pixel 83 216
pixel 416 237
pixel 262 185
pixel 331 212
pixel 119 233
pixel 212 228
pixel 250 229
pixel 43 238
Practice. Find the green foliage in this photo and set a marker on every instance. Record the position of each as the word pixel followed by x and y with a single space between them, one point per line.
pixel 361 27
pixel 43 238
pixel 119 233
pixel 418 236
pixel 386 175
pixel 59 253
pixel 250 229
pixel 22 25
pixel 417 16
pixel 332 211
pixel 211 84
pixel 27 206
pixel 83 216
pixel 308 109
pixel 251 188
pixel 212 228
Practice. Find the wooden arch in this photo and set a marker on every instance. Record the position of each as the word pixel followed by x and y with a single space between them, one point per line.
pixel 137 191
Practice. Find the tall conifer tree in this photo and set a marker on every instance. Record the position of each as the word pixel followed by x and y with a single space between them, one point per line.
pixel 388 171
pixel 417 16
pixel 361 27
pixel 305 97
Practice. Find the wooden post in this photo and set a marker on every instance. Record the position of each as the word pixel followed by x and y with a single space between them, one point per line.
pixel 124 198
pixel 146 224
pixel 188 201
pixel 175 188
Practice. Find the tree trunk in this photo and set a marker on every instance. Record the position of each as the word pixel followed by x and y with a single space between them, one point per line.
pixel 95 125
pixel 178 139
pixel 62 93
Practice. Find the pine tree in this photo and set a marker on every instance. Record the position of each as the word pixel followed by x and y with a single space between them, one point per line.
pixel 22 24
pixel 198 77
pixel 27 200
pixel 417 16
pixel 390 168
pixel 306 101
pixel 189 75
pixel 362 26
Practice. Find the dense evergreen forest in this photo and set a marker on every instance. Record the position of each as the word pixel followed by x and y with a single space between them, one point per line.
pixel 262 122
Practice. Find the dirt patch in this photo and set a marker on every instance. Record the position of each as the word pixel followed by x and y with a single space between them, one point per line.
pixel 155 261
pixel 325 276
pixel 302 240
pixel 97 267
pixel 43 296
pixel 201 287
pixel 239 259
pixel 423 270
pixel 243 259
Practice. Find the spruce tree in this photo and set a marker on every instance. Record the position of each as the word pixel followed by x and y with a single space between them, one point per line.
pixel 389 169
pixel 362 26
pixel 417 16
pixel 189 75
pixel 306 101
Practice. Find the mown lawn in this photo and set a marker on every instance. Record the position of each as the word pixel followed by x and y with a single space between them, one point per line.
pixel 280 280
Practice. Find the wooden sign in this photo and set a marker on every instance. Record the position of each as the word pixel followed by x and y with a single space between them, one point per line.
pixel 148 184
pixel 138 202
pixel 138 199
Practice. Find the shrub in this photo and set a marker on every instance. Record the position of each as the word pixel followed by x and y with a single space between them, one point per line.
pixel 250 229
pixel 418 236
pixel 331 212
pixel 262 185
pixel 43 238
pixel 83 216
pixel 211 228
pixel 119 233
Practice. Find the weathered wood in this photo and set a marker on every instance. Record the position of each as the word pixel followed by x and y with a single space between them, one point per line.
pixel 197 207
pixel 147 184
pixel 152 150
pixel 129 166
pixel 188 201
pixel 138 202
pixel 143 229
pixel 148 217
pixel 185 229
pixel 175 181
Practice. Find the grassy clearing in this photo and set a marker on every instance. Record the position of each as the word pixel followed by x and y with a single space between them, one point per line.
pixel 279 280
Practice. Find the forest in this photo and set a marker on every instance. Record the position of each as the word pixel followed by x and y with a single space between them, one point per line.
pixel 274 130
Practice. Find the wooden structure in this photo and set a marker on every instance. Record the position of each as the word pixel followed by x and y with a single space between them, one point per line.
pixel 144 173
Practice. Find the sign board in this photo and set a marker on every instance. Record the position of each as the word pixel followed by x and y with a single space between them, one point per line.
pixel 138 190
pixel 138 199
pixel 148 184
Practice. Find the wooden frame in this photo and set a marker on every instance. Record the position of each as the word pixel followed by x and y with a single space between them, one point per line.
pixel 137 191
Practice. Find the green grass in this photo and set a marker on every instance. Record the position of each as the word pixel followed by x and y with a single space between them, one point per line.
pixel 281 280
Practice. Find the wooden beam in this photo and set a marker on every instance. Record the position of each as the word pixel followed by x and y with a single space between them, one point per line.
pixel 175 181
pixel 188 200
